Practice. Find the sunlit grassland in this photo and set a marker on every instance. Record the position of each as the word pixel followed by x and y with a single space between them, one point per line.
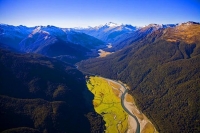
pixel 129 98
pixel 103 53
pixel 108 104
pixel 149 128
pixel 182 33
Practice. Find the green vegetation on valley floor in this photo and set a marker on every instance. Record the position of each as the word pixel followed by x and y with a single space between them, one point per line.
pixel 108 105
pixel 117 107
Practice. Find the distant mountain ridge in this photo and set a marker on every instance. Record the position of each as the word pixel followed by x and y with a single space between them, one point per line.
pixel 24 38
pixel 122 35
pixel 109 31
pixel 70 46
pixel 130 37
pixel 20 32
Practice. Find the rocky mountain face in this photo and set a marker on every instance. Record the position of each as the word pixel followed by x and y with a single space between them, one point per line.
pixel 51 41
pixel 130 37
pixel 40 94
pixel 13 35
pixel 163 72
pixel 109 32
pixel 72 45
pixel 120 36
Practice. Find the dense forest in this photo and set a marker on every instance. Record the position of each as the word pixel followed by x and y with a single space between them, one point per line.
pixel 40 94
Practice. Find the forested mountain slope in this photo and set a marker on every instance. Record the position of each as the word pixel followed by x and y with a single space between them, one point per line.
pixel 40 94
pixel 163 72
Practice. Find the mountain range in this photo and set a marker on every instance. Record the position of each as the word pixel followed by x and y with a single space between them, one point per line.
pixel 121 35
pixel 72 44
pixel 108 32
pixel 42 90
pixel 163 72
pixel 51 41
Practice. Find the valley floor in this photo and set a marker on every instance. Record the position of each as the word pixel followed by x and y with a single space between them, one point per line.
pixel 119 116
pixel 103 53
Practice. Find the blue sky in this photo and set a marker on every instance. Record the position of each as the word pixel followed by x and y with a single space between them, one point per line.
pixel 83 13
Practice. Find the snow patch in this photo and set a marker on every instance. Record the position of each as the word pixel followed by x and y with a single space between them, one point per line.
pixel 109 45
pixel 128 28
pixel 45 37
pixel 45 32
pixel 36 30
pixel 111 24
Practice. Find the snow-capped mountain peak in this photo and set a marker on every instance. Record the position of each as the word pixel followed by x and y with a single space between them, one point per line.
pixel 111 24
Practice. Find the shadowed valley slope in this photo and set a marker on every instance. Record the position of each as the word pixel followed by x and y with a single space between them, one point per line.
pixel 40 94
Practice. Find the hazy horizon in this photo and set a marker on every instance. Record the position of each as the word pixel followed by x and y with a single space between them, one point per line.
pixel 81 13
